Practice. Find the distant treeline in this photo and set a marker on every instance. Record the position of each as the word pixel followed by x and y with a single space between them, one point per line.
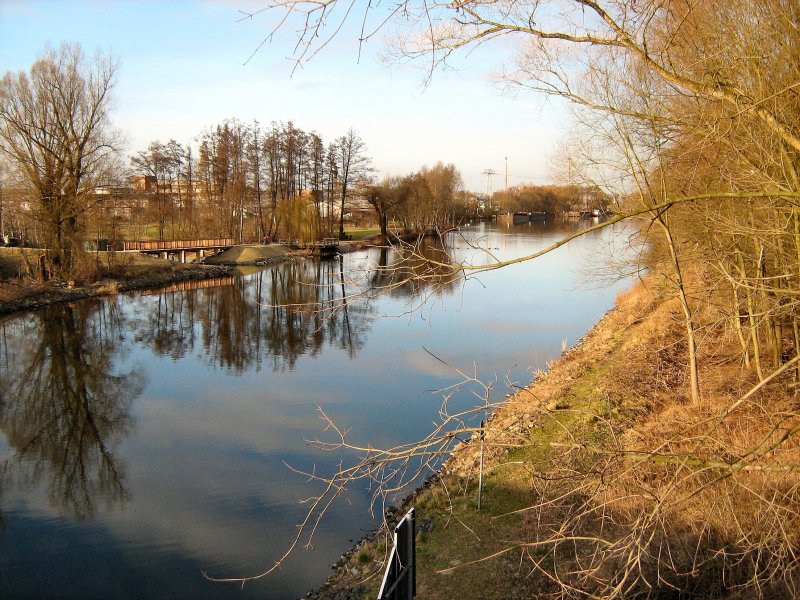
pixel 550 199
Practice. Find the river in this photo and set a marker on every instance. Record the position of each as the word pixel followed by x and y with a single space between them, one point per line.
pixel 144 438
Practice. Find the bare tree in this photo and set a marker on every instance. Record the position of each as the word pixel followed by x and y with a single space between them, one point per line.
pixel 55 128
pixel 353 164
pixel 156 163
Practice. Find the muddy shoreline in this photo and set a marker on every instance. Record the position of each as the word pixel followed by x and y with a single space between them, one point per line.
pixel 106 287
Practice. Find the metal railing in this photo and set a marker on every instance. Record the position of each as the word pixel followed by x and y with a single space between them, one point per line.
pixel 400 578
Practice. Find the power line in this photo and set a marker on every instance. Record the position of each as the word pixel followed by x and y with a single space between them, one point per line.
pixel 539 177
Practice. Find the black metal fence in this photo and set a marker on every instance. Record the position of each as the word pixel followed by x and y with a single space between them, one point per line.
pixel 400 578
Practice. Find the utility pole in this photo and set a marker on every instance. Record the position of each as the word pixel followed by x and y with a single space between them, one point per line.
pixel 489 173
pixel 506 173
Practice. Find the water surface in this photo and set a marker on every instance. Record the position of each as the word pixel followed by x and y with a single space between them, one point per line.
pixel 144 438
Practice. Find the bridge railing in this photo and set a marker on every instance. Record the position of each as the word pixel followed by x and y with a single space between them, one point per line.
pixel 152 246
pixel 188 286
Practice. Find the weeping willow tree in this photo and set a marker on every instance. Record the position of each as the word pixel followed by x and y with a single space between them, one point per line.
pixel 300 218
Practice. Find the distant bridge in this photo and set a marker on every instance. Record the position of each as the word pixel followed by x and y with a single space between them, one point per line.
pixel 180 250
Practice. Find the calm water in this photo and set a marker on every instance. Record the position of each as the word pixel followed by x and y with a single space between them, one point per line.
pixel 144 438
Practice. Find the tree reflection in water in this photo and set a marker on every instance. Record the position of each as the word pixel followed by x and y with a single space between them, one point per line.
pixel 278 314
pixel 63 409
pixel 270 318
pixel 415 272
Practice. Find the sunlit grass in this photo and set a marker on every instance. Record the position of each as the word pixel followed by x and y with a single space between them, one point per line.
pixel 359 233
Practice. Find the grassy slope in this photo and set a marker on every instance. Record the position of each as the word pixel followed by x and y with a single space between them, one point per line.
pixel 622 387
pixel 360 233
pixel 560 406
pixel 248 253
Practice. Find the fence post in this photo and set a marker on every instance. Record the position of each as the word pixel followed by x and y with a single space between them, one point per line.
pixel 400 578
pixel 480 470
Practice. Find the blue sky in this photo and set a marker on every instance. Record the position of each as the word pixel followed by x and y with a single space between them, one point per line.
pixel 182 70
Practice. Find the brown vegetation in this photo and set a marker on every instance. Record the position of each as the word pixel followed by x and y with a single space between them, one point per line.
pixel 602 479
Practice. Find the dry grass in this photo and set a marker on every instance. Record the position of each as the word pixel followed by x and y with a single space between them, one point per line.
pixel 674 496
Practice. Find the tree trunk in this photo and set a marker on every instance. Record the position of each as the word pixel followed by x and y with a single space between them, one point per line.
pixel 691 342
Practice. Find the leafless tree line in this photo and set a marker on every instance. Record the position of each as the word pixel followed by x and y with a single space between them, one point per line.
pixel 287 183
pixel 252 183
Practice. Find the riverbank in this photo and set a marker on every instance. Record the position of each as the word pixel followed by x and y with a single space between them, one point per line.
pixel 461 550
pixel 17 295
pixel 134 271
pixel 581 487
